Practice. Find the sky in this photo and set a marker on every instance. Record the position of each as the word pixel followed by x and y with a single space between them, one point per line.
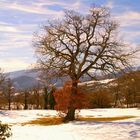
pixel 20 19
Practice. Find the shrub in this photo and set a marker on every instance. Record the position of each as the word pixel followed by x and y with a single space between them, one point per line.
pixel 5 131
pixel 65 100
pixel 101 99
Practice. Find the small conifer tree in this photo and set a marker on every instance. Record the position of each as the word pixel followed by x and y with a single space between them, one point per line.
pixel 5 131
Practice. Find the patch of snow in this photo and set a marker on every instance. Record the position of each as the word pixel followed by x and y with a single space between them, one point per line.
pixel 128 129
pixel 117 112
pixel 99 81
pixel 21 116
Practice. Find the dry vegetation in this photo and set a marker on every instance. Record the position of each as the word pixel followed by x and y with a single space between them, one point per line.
pixel 45 121
pixel 105 119
pixel 57 121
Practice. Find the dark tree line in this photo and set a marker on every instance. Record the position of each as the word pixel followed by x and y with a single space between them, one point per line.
pixel 120 92
pixel 35 98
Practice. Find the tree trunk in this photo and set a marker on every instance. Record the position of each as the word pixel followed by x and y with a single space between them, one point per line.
pixel 71 110
pixel 116 100
pixel 9 100
pixel 25 100
pixel 70 115
pixel 37 100
pixel 46 100
pixel 9 104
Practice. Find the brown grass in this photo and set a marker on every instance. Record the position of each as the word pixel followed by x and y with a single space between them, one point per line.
pixel 57 121
pixel 45 121
pixel 104 119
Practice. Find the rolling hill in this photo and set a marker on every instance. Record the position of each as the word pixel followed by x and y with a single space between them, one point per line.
pixel 25 79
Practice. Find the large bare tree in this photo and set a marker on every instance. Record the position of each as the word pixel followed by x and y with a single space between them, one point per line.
pixel 81 45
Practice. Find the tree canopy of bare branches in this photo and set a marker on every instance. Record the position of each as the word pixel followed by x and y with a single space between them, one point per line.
pixel 81 45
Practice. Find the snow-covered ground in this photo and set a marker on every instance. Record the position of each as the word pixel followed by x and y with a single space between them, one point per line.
pixel 128 129
pixel 94 81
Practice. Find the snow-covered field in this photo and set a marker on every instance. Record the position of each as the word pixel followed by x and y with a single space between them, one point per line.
pixel 128 129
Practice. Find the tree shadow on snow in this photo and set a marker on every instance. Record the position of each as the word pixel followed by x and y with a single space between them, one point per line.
pixel 133 128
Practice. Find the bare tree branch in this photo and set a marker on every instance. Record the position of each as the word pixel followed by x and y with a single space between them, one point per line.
pixel 81 44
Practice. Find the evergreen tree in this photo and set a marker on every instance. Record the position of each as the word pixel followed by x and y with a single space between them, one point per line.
pixel 45 98
pixel 26 100
pixel 51 98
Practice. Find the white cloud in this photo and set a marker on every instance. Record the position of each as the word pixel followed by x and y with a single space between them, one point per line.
pixel 132 34
pixel 129 22
pixel 13 41
pixel 76 5
pixel 49 2
pixel 13 64
pixel 110 4
pixel 27 27
pixel 64 4
pixel 16 36
pixel 17 28
pixel 8 28
pixel 129 18
pixel 36 9
pixel 40 7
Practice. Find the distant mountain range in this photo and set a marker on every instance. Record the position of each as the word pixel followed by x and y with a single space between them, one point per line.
pixel 25 79
pixel 31 73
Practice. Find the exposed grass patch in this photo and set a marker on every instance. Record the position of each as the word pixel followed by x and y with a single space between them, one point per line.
pixel 56 121
pixel 45 121
pixel 105 119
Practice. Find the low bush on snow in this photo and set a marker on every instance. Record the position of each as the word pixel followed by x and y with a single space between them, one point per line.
pixel 5 131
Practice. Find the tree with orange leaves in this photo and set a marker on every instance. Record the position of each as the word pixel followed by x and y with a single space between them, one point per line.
pixel 65 100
